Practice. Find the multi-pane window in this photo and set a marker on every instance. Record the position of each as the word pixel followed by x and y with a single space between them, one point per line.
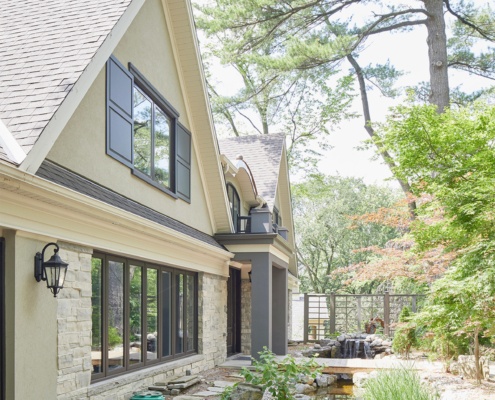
pixel 144 132
pixel 235 205
pixel 153 129
pixel 143 314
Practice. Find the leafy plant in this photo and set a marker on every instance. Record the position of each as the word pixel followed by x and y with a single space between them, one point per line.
pixel 278 377
pixel 398 384
pixel 405 334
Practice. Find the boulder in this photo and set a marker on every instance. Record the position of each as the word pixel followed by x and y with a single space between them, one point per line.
pixel 245 391
pixel 303 388
pixel 359 378
pixel 466 367
pixel 325 380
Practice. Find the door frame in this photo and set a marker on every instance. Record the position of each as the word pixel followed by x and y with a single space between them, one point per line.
pixel 2 318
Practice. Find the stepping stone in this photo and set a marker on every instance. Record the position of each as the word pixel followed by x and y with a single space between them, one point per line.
pixel 223 384
pixel 186 397
pixel 206 393
pixel 183 385
pixel 216 389
pixel 183 379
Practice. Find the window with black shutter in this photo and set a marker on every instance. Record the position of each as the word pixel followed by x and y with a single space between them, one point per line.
pixel 144 132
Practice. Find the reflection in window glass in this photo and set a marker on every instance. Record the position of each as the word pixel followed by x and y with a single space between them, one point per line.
pixel 135 314
pixel 152 314
pixel 115 315
pixel 190 312
pixel 166 313
pixel 179 310
pixel 97 332
pixel 162 148
pixel 142 132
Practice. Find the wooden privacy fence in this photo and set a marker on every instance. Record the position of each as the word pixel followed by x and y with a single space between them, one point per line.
pixel 326 314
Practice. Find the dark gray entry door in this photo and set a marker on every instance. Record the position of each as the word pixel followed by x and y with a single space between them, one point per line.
pixel 2 319
pixel 234 312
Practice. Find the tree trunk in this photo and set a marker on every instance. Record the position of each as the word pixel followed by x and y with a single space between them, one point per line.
pixel 437 54
pixel 406 188
pixel 477 354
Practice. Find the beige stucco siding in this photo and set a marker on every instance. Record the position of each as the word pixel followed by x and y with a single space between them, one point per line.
pixel 31 341
pixel 81 146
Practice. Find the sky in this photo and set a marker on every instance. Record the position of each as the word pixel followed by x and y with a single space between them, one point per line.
pixel 407 52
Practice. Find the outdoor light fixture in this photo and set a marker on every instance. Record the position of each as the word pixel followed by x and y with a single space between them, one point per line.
pixel 249 273
pixel 52 271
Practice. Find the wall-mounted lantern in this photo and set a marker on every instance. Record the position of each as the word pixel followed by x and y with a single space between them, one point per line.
pixel 52 271
pixel 249 273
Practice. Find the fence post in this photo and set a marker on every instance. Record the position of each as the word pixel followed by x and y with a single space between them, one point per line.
pixel 413 306
pixel 332 312
pixel 386 313
pixel 306 318
pixel 358 299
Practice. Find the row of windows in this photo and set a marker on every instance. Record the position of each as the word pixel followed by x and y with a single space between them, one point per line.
pixel 142 314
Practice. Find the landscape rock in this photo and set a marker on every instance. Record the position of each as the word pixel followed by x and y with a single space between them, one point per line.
pixel 303 388
pixel 359 378
pixel 466 367
pixel 245 391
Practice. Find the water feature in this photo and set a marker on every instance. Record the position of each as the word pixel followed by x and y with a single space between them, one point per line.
pixel 340 390
pixel 367 350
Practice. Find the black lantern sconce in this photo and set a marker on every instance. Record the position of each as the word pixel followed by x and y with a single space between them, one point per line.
pixel 249 273
pixel 52 271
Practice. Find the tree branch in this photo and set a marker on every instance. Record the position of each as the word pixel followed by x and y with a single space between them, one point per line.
pixel 465 21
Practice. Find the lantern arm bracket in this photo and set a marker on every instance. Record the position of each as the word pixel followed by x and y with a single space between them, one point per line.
pixel 39 271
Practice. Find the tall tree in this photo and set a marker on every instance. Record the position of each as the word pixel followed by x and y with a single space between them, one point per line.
pixel 298 103
pixel 328 235
pixel 307 34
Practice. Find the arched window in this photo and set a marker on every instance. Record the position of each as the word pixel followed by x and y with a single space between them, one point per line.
pixel 235 204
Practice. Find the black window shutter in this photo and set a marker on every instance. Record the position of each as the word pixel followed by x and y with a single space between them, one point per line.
pixel 119 112
pixel 183 163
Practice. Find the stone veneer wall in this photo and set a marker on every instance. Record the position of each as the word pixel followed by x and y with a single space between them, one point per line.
pixel 74 322
pixel 212 319
pixel 246 316
pixel 74 336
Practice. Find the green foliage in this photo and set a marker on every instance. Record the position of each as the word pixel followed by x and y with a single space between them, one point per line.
pixel 405 334
pixel 114 337
pixel 278 377
pixel 328 236
pixel 398 384
pixel 449 159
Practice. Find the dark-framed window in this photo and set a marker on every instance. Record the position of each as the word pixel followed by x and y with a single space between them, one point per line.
pixel 142 314
pixel 235 204
pixel 277 219
pixel 144 131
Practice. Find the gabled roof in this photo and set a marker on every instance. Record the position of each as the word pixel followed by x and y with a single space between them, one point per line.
pixel 263 154
pixel 51 51
pixel 44 48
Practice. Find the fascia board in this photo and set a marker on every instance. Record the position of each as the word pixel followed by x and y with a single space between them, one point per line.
pixel 201 120
pixel 9 144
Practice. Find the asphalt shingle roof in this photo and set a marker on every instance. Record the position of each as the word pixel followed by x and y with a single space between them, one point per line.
pixel 45 45
pixel 262 153
pixel 69 179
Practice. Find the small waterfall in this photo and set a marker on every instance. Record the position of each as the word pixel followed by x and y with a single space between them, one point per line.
pixel 356 349
pixel 367 350
pixel 350 348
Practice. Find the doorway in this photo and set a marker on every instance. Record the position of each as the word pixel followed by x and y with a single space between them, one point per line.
pixel 234 312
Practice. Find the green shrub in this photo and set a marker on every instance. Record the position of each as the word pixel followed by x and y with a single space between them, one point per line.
pixel 398 384
pixel 405 334
pixel 278 377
